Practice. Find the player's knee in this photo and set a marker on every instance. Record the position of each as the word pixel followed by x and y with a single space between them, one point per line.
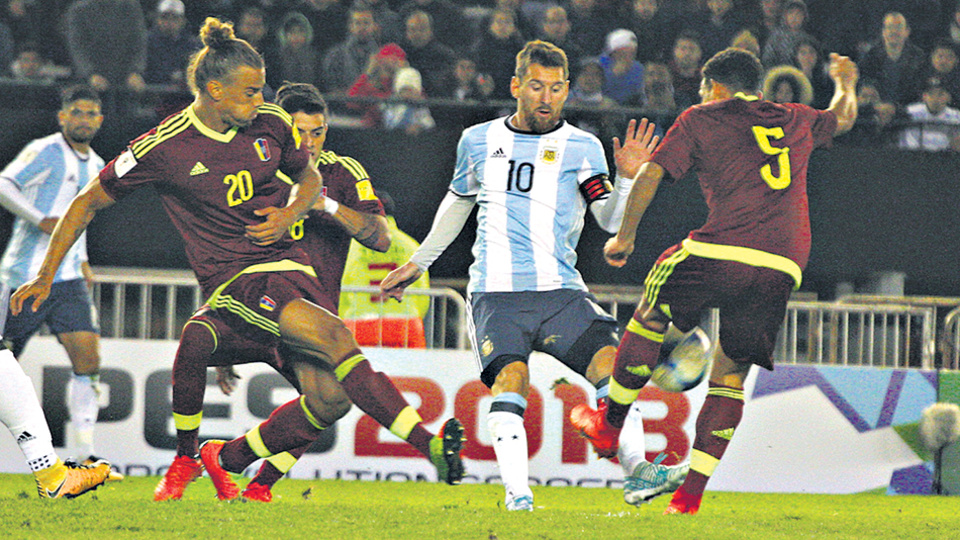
pixel 513 375
pixel 328 408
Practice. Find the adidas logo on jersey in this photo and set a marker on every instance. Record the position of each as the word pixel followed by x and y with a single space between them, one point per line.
pixel 499 153
pixel 199 168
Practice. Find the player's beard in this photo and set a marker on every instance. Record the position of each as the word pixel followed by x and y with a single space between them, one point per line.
pixel 542 124
pixel 81 135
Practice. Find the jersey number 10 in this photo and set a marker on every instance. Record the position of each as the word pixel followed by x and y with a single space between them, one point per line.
pixel 520 177
pixel 763 136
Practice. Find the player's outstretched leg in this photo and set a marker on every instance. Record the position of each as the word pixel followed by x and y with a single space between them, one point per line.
pixel 716 423
pixel 445 449
pixel 636 356
pixel 375 394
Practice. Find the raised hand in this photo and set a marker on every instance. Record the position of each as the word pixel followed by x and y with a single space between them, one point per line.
pixel 639 143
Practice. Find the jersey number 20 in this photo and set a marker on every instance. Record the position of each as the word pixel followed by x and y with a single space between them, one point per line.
pixel 241 187
pixel 763 136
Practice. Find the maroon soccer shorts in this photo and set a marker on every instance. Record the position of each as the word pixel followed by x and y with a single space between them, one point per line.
pixel 251 304
pixel 752 300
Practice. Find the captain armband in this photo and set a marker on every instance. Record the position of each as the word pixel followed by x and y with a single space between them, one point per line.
pixel 596 188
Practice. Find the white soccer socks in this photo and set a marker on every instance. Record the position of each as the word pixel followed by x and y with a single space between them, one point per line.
pixel 633 448
pixel 83 402
pixel 505 422
pixel 20 411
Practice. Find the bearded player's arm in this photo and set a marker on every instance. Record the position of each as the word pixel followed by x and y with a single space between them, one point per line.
pixel 83 208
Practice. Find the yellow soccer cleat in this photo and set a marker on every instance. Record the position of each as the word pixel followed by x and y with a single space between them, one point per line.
pixel 70 479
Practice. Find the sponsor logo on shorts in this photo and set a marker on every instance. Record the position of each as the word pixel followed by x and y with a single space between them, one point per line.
pixel 550 340
pixel 267 303
pixel 486 347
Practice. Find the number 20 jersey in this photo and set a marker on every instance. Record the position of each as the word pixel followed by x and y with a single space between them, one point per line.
pixel 528 187
pixel 210 183
pixel 751 160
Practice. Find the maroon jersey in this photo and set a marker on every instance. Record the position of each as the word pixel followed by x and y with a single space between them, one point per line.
pixel 324 240
pixel 210 183
pixel 751 159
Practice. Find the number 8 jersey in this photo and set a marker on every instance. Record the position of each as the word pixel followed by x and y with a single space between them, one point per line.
pixel 751 160
pixel 533 190
pixel 210 183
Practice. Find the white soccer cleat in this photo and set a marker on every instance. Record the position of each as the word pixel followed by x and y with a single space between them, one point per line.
pixel 520 502
pixel 650 480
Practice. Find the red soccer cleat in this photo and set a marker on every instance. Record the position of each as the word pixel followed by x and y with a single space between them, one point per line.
pixel 181 473
pixel 227 489
pixel 683 503
pixel 593 426
pixel 257 492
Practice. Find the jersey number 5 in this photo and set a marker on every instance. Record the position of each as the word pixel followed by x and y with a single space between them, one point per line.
pixel 763 136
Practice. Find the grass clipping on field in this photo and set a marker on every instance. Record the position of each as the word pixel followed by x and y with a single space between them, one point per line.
pixel 372 510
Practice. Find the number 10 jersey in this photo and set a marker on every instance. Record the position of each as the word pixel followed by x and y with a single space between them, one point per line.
pixel 529 187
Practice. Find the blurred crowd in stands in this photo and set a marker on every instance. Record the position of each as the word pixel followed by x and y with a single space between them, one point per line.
pixel 407 63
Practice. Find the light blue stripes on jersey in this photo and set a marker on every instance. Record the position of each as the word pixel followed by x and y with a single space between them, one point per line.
pixel 49 173
pixel 531 209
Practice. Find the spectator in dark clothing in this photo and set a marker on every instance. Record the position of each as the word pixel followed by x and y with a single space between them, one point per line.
pixel 590 23
pixel 808 59
pixel 108 43
pixel 895 63
pixel 654 27
pixel 331 17
pixel 388 20
pixel 346 61
pixel 782 43
pixel 430 57
pixel 717 26
pixel 449 24
pixel 944 66
pixel 496 51
pixel 169 46
pixel 556 29
pixel 685 64
pixel 297 60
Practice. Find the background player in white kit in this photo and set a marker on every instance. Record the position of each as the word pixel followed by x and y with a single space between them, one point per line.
pixel 533 176
pixel 37 187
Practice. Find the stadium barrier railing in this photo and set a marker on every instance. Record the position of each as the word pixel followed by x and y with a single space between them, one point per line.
pixel 856 330
pixel 155 304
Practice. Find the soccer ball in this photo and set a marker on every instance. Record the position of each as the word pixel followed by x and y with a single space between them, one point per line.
pixel 684 361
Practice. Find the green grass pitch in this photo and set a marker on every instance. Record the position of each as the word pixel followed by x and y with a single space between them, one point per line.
pixel 385 510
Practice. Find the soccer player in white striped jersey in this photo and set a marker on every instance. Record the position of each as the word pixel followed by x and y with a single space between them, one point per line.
pixel 37 187
pixel 533 176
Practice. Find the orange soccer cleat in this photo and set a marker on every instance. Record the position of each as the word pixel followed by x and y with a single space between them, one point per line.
pixel 227 489
pixel 257 492
pixel 181 473
pixel 593 426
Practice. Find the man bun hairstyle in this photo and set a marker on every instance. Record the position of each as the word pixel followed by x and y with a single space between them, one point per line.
pixel 301 97
pixel 738 69
pixel 543 53
pixel 222 53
